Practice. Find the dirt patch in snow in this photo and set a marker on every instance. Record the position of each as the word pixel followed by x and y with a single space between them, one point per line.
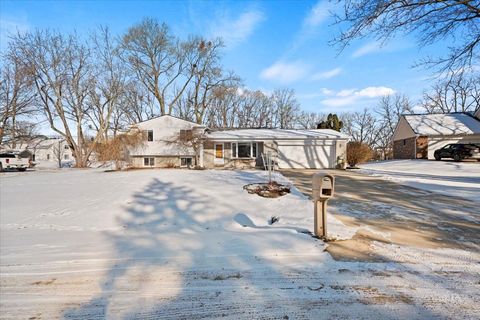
pixel 45 283
pixel 356 249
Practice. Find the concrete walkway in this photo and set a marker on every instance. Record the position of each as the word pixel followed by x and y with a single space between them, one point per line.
pixel 388 212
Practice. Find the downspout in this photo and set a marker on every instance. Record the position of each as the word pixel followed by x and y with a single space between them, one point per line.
pixel 201 155
pixel 415 154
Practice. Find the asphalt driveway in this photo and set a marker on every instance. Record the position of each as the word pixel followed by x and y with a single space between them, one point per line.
pixel 388 212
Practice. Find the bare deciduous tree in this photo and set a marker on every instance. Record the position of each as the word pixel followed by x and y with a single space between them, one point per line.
pixel 137 104
pixel 16 99
pixel 389 110
pixel 163 64
pixel 309 120
pixel 59 151
pixel 459 93
pixel 254 109
pixel 109 83
pixel 430 21
pixel 61 68
pixel 208 78
pixel 285 108
pixel 223 112
pixel 238 107
pixel 361 126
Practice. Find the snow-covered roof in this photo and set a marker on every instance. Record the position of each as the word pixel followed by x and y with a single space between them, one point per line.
pixel 36 143
pixel 443 124
pixel 277 134
pixel 165 117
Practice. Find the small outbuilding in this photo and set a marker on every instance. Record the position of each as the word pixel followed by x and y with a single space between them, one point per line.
pixel 417 136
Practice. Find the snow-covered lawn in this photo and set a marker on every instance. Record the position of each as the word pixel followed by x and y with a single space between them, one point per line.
pixel 461 179
pixel 87 244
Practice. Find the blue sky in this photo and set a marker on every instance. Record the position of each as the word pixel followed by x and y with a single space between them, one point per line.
pixel 269 44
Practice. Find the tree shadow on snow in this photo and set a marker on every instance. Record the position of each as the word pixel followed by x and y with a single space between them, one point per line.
pixel 177 257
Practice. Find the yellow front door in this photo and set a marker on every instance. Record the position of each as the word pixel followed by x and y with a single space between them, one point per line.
pixel 219 153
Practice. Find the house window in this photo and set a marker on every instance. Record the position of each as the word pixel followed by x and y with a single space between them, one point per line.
pixel 404 141
pixel 244 150
pixel 186 161
pixel 149 162
pixel 66 147
pixel 48 156
pixel 186 135
pixel 149 135
pixel 65 157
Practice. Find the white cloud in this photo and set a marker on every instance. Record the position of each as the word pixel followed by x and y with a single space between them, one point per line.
pixel 374 92
pixel 327 91
pixel 346 92
pixel 235 31
pixel 393 45
pixel 367 48
pixel 284 72
pixel 318 14
pixel 339 102
pixel 327 74
pixel 348 97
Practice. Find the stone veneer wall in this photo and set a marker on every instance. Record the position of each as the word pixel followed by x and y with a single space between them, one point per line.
pixel 404 149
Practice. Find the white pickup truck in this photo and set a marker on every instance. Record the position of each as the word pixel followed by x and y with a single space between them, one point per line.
pixel 11 160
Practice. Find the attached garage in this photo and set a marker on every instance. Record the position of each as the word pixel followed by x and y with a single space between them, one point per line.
pixel 291 149
pixel 310 156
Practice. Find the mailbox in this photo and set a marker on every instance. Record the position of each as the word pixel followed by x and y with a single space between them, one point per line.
pixel 323 187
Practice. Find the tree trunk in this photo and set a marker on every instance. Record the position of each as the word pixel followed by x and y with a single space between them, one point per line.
pixel 13 133
pixel 59 158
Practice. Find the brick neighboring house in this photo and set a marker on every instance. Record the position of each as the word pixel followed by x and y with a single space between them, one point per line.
pixel 417 136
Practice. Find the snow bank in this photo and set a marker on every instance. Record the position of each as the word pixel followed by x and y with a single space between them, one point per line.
pixel 461 179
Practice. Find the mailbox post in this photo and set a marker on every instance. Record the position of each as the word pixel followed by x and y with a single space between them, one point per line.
pixel 323 186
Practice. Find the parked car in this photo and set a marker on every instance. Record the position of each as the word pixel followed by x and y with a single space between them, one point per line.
pixel 12 160
pixel 458 151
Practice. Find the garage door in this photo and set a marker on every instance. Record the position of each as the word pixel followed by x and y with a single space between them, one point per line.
pixel 306 156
